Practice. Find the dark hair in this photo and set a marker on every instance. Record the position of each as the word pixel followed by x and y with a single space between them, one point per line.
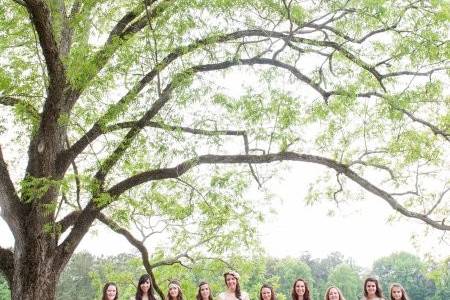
pixel 199 295
pixel 180 293
pixel 294 294
pixel 237 292
pixel 105 288
pixel 398 285
pixel 144 278
pixel 378 292
pixel 267 286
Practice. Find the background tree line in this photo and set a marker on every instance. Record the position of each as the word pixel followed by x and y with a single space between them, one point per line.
pixel 423 279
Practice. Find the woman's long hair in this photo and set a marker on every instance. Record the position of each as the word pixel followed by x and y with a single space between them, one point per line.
pixel 398 285
pixel 272 293
pixel 105 289
pixel 237 292
pixel 139 292
pixel 378 292
pixel 199 295
pixel 294 294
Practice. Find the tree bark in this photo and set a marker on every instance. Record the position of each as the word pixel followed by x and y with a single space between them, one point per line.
pixel 34 276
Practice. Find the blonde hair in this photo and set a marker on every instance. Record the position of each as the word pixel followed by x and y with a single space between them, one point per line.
pixel 327 293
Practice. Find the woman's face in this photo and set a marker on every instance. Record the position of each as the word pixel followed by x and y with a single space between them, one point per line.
pixel 371 288
pixel 204 291
pixel 266 293
pixel 300 288
pixel 396 293
pixel 333 294
pixel 231 282
pixel 111 292
pixel 173 291
pixel 145 286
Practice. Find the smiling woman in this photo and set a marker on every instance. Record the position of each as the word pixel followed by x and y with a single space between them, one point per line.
pixel 267 293
pixel 233 288
pixel 397 292
pixel 110 291
pixel 174 292
pixel 144 290
pixel 334 293
pixel 372 290
pixel 300 290
pixel 204 291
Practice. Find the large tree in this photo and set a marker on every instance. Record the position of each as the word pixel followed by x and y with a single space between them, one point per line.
pixel 110 104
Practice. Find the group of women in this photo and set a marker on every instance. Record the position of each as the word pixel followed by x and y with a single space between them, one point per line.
pixel 300 290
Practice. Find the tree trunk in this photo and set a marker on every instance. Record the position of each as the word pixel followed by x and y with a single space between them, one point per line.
pixel 35 276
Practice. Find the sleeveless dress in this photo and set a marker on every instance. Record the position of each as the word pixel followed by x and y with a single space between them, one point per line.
pixel 223 296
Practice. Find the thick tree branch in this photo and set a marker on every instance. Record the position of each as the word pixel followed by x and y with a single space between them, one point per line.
pixel 7 264
pixel 185 166
pixel 12 210
pixel 42 21
pixel 81 226
pixel 125 125
pixel 46 143
pixel 68 221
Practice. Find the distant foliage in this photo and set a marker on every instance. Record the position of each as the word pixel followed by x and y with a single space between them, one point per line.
pixel 407 269
pixel 86 274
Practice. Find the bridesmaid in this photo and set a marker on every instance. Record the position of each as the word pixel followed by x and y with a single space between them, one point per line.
pixel 267 293
pixel 204 292
pixel 174 292
pixel 372 290
pixel 334 293
pixel 397 292
pixel 110 291
pixel 233 291
pixel 144 289
pixel 300 290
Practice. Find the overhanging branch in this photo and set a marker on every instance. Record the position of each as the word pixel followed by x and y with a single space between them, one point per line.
pixel 185 166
